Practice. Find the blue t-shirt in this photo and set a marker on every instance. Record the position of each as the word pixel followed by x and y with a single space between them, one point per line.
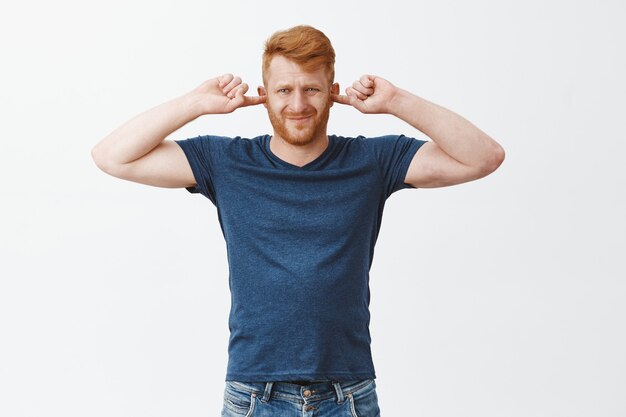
pixel 300 243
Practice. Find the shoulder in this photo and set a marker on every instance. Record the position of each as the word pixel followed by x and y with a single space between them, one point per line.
pixel 378 144
pixel 386 139
pixel 347 141
pixel 204 141
pixel 389 142
pixel 217 141
pixel 373 140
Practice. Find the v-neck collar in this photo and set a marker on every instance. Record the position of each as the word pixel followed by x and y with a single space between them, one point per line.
pixel 312 164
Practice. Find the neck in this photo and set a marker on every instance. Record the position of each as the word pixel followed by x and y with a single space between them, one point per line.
pixel 298 155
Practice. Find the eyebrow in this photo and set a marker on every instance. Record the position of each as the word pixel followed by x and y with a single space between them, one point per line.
pixel 304 85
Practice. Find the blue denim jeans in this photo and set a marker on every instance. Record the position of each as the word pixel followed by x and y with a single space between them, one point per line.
pixel 284 399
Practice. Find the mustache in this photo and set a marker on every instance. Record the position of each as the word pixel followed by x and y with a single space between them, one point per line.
pixel 299 114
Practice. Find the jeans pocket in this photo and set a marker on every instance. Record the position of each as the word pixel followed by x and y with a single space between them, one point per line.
pixel 364 402
pixel 238 402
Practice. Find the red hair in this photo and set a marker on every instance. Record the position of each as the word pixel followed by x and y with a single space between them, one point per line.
pixel 305 45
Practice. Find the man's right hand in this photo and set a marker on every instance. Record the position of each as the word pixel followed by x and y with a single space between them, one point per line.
pixel 137 151
pixel 224 94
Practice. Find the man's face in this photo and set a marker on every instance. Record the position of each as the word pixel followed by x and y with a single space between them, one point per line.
pixel 298 102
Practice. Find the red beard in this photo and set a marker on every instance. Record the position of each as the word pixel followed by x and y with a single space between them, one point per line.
pixel 299 133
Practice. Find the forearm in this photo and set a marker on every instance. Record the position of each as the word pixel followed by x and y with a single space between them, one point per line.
pixel 144 132
pixel 455 135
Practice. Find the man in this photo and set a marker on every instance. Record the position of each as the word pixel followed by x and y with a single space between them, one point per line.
pixel 300 212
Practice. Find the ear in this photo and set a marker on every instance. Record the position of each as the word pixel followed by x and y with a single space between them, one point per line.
pixel 262 92
pixel 334 89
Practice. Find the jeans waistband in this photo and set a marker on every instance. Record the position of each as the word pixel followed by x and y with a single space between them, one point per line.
pixel 317 391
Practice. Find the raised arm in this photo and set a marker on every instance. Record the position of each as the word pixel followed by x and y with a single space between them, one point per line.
pixel 137 151
pixel 459 152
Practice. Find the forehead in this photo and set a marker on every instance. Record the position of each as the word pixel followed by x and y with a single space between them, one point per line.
pixel 282 70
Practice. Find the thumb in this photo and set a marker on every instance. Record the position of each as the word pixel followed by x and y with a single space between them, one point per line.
pixel 235 102
pixel 239 97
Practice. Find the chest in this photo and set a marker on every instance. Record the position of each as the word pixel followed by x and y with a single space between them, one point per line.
pixel 258 201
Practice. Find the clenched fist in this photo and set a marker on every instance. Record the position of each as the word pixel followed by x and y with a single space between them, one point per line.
pixel 369 94
pixel 224 94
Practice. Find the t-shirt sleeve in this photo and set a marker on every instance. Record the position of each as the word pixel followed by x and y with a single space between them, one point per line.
pixel 204 154
pixel 394 154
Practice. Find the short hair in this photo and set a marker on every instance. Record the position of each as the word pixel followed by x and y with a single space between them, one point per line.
pixel 303 44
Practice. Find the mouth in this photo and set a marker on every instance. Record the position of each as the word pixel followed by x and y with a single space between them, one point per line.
pixel 299 118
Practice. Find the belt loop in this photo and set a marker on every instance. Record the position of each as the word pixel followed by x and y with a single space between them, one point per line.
pixel 268 391
pixel 339 391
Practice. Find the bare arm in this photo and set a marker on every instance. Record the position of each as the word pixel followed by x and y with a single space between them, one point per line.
pixel 137 151
pixel 459 151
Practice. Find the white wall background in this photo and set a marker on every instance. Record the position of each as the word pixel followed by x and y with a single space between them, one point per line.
pixel 502 297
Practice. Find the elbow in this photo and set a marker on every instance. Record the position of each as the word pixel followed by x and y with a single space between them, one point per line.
pixel 97 158
pixel 101 161
pixel 497 156
pixel 493 159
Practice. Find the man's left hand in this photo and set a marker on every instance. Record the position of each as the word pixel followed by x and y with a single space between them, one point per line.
pixel 369 94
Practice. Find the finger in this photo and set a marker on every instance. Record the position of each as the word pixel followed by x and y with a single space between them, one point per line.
pixel 223 80
pixel 354 93
pixel 236 100
pixel 253 100
pixel 338 98
pixel 235 91
pixel 358 86
pixel 367 81
pixel 349 100
pixel 231 85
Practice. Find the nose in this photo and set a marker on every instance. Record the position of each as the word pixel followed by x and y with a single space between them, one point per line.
pixel 298 102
